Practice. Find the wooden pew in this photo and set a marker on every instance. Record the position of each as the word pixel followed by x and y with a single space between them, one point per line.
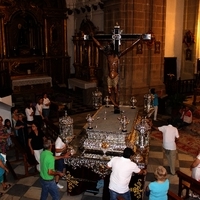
pixel 187 183
pixel 26 157
pixel 173 196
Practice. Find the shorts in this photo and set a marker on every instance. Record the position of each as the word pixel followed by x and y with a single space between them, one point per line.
pixel 59 165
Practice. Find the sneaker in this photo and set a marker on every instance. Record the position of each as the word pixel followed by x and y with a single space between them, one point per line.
pixel 64 177
pixel 60 186
pixel 195 196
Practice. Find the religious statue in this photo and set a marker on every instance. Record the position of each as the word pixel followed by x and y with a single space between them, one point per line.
pixel 113 57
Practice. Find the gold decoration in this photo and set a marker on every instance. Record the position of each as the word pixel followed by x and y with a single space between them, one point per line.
pixel 131 139
pixel 71 182
pixel 137 189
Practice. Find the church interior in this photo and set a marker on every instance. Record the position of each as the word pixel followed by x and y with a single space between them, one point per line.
pixel 48 46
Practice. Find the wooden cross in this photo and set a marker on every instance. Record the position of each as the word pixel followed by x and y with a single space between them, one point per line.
pixel 117 37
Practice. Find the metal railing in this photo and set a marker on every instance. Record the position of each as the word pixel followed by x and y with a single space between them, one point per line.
pixel 186 87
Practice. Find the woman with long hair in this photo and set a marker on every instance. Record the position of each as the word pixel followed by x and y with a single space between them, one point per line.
pixel 35 142
pixel 29 113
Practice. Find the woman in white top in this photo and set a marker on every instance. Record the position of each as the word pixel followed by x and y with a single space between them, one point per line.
pixel 195 167
pixel 46 106
pixel 29 113
pixel 38 112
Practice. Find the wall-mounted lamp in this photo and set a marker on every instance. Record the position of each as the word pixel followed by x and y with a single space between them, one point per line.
pixel 69 11
pixel 77 10
pixel 82 9
pixel 88 8
pixel 101 5
pixel 94 7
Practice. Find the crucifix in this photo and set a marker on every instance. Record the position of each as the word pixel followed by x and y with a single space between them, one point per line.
pixel 113 54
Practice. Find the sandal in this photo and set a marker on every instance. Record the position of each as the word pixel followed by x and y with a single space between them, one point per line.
pixel 7 187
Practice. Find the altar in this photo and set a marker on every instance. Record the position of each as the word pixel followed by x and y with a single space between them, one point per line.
pixel 86 88
pixel 102 138
pixel 29 82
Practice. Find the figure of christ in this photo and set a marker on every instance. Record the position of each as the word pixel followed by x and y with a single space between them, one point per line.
pixel 113 59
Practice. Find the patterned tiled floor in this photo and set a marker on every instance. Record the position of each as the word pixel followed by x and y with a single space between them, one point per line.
pixel 29 188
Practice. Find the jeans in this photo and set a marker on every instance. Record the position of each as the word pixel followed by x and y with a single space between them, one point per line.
pixel 45 113
pixel 49 187
pixel 114 195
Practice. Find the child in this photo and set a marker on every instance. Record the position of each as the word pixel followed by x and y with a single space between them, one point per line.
pixel 155 104
pixel 3 168
pixel 159 188
pixel 9 130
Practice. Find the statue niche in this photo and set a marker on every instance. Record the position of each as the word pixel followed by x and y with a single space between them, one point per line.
pixel 23 35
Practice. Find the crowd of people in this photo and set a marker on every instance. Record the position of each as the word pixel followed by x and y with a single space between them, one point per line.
pixel 27 128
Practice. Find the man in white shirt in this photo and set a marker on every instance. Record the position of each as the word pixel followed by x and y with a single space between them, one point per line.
pixel 170 134
pixel 60 147
pixel 122 170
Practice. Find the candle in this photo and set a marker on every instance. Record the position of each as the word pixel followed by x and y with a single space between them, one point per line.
pixel 28 71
